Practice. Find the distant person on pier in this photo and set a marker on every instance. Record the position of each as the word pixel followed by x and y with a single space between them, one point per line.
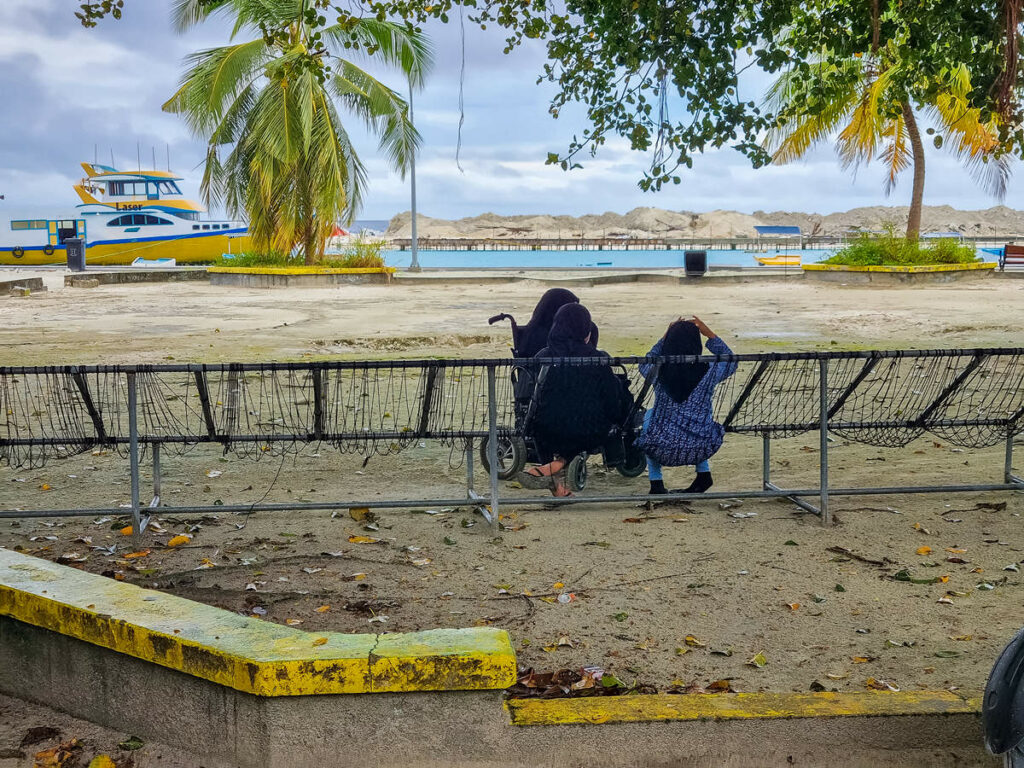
pixel 577 405
pixel 533 336
pixel 680 429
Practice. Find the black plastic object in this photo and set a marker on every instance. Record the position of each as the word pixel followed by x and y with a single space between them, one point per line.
pixel 1002 711
pixel 696 263
pixel 76 253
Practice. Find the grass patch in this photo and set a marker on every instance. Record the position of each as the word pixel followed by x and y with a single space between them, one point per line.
pixel 891 250
pixel 359 254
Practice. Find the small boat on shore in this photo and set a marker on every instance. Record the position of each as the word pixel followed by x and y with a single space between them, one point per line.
pixel 779 260
pixel 123 216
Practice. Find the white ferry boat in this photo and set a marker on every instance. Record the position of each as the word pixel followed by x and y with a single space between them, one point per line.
pixel 124 215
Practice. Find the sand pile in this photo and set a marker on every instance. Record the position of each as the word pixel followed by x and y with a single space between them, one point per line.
pixel 656 222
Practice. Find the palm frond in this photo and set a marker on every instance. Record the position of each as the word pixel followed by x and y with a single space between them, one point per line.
pixel 394 44
pixel 976 143
pixel 793 135
pixel 214 80
pixel 896 154
pixel 858 141
pixel 383 111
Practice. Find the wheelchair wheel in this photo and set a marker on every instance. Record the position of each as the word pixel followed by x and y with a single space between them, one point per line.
pixel 576 473
pixel 511 456
pixel 635 463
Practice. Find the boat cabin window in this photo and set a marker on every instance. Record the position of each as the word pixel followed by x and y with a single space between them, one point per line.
pixel 126 189
pixel 29 224
pixel 136 220
pixel 169 188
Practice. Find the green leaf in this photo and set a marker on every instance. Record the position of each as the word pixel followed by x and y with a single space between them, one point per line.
pixel 131 743
pixel 759 660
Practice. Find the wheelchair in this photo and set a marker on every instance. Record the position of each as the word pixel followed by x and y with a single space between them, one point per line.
pixel 517 449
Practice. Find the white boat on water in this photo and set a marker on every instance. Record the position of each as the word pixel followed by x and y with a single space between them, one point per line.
pixel 123 216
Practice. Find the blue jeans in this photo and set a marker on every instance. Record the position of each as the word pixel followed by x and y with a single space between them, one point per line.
pixel 654 468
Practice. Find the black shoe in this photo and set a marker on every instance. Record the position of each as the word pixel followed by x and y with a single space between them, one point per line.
pixel 701 483
pixel 657 487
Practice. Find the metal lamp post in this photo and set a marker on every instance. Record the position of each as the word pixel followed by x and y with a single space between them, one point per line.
pixel 414 265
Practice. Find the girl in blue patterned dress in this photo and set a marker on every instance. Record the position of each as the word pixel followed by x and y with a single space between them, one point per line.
pixel 680 429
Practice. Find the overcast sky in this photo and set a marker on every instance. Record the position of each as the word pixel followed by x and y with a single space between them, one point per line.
pixel 65 90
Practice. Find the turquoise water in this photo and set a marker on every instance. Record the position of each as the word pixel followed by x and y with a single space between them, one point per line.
pixel 594 259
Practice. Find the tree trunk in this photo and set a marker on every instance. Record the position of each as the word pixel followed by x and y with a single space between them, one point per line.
pixel 914 216
pixel 309 244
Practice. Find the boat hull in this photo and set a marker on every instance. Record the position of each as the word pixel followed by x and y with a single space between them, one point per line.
pixel 184 249
pixel 782 260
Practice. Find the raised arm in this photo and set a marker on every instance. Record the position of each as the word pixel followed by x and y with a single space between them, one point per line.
pixel 647 368
pixel 722 370
pixel 716 346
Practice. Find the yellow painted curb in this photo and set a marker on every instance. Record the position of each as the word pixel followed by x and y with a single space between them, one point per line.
pixel 737 706
pixel 303 270
pixel 257 657
pixel 922 268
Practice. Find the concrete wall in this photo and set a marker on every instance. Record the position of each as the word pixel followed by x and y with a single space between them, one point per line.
pixel 226 728
pixel 295 281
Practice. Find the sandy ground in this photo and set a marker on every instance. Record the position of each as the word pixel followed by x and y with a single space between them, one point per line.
pixel 22 738
pixel 198 322
pixel 736 586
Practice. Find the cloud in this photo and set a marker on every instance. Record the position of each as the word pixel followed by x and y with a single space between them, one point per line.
pixel 66 90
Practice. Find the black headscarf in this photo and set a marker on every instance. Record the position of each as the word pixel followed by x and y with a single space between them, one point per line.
pixel 534 335
pixel 680 379
pixel 570 331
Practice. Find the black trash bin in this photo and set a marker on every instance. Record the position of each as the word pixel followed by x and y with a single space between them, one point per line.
pixel 76 253
pixel 696 263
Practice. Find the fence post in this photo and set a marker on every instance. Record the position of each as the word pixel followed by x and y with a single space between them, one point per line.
pixel 826 515
pixel 133 451
pixel 156 474
pixel 766 457
pixel 469 467
pixel 1008 466
pixel 492 439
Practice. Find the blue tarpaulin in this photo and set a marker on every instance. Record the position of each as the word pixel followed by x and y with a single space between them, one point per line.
pixel 774 230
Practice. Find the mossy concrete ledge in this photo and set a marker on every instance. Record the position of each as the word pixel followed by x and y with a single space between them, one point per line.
pixel 303 277
pixel 248 655
pixel 896 275
pixel 740 706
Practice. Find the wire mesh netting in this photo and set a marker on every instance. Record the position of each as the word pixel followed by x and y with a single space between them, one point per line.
pixel 970 398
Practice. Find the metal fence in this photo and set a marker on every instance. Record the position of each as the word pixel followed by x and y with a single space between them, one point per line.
pixel 968 397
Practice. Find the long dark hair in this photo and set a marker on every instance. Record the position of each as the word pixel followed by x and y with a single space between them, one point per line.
pixel 680 379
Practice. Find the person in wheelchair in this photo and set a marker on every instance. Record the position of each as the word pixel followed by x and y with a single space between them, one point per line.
pixel 680 429
pixel 576 406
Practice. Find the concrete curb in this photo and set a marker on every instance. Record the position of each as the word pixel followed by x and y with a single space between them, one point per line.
pixel 301 270
pixel 918 269
pixel 245 654
pixel 738 706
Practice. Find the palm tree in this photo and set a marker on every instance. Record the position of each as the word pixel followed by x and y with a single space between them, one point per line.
pixel 865 101
pixel 268 108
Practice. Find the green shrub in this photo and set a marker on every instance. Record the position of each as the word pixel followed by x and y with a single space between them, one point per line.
pixel 360 253
pixel 256 259
pixel 892 250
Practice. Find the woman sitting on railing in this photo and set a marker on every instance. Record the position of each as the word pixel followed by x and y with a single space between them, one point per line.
pixel 576 405
pixel 680 429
